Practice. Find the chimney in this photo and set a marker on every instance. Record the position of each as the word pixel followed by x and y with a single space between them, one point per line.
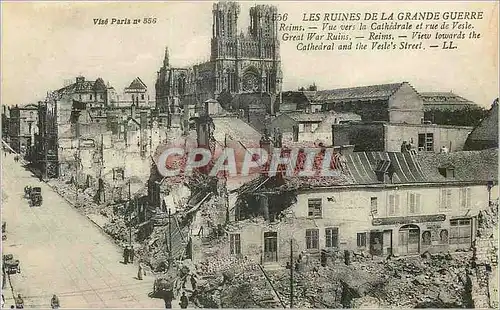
pixel 278 138
pixel 80 79
pixel 273 101
pixel 202 133
pixel 206 108
pixel 132 111
pixel 144 120
pixel 265 142
pixel 295 130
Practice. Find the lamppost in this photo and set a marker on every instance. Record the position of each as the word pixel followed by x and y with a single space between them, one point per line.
pixel 290 264
pixel 77 133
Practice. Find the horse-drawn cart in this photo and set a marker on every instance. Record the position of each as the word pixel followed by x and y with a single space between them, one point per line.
pixel 10 264
pixel 35 197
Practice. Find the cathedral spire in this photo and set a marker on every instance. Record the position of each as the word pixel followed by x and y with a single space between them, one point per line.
pixel 166 59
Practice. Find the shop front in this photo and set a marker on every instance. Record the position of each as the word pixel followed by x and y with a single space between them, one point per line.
pixel 409 235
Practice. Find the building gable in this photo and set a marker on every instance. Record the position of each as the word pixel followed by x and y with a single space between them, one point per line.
pixel 137 84
pixel 485 135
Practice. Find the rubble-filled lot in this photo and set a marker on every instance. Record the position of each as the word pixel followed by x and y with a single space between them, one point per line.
pixel 438 281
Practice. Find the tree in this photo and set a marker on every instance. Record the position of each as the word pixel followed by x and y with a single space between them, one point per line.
pixel 225 99
pixel 468 116
pixel 311 87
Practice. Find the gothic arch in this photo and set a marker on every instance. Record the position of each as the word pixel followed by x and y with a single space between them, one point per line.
pixel 181 84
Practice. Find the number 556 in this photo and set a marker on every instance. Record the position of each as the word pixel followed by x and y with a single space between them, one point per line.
pixel 280 17
pixel 149 20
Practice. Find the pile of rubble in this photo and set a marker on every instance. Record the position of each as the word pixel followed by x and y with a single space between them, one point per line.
pixel 117 229
pixel 488 220
pixel 436 281
pixel 67 190
pixel 153 250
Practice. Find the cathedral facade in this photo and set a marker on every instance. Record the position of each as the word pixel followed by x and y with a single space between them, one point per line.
pixel 239 62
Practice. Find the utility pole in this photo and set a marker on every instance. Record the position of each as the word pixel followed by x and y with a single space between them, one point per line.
pixel 129 216
pixel 169 237
pixel 77 113
pixel 291 273
pixel 45 132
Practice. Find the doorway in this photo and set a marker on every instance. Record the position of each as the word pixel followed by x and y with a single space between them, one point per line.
pixel 387 242
pixel 270 247
pixel 409 239
pixel 376 243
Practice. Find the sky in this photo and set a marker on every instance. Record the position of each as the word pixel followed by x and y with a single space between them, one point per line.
pixel 46 44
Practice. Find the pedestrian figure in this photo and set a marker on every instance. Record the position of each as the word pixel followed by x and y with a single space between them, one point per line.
pixel 323 258
pixel 54 302
pixel 184 301
pixel 125 255
pixel 3 301
pixel 19 302
pixel 140 272
pixel 131 254
pixel 167 298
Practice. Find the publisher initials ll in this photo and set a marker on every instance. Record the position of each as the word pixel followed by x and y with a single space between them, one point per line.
pixel 448 45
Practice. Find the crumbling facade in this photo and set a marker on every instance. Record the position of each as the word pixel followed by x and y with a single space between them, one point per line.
pixel 382 204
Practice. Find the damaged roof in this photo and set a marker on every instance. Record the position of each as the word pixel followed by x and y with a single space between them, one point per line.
pixel 487 129
pixel 470 166
pixel 372 92
pixel 83 86
pixel 307 117
pixel 233 128
pixel 358 168
pixel 443 98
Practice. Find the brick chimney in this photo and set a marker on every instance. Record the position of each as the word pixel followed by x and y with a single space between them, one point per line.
pixel 203 131
pixel 266 143
pixel 132 111
pixel 144 120
pixel 143 132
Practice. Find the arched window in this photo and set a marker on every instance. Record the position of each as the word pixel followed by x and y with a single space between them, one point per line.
pixel 181 84
pixel 426 237
pixel 443 236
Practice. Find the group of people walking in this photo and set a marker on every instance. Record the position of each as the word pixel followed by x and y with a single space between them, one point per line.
pixel 169 296
pixel 54 302
pixel 128 255
pixel 128 258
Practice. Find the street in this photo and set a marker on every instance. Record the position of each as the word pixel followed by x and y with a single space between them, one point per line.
pixel 61 252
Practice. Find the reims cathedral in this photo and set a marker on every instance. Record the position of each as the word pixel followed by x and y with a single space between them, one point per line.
pixel 239 63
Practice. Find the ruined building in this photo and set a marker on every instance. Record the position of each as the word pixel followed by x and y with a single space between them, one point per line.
pixel 239 63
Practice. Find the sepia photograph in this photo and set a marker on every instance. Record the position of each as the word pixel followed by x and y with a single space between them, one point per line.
pixel 249 154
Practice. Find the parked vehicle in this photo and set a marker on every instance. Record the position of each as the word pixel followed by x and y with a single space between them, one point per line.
pixel 36 197
pixel 10 264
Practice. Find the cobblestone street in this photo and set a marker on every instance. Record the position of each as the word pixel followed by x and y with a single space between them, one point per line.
pixel 61 252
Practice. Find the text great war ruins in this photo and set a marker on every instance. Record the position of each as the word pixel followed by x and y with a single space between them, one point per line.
pixel 406 217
